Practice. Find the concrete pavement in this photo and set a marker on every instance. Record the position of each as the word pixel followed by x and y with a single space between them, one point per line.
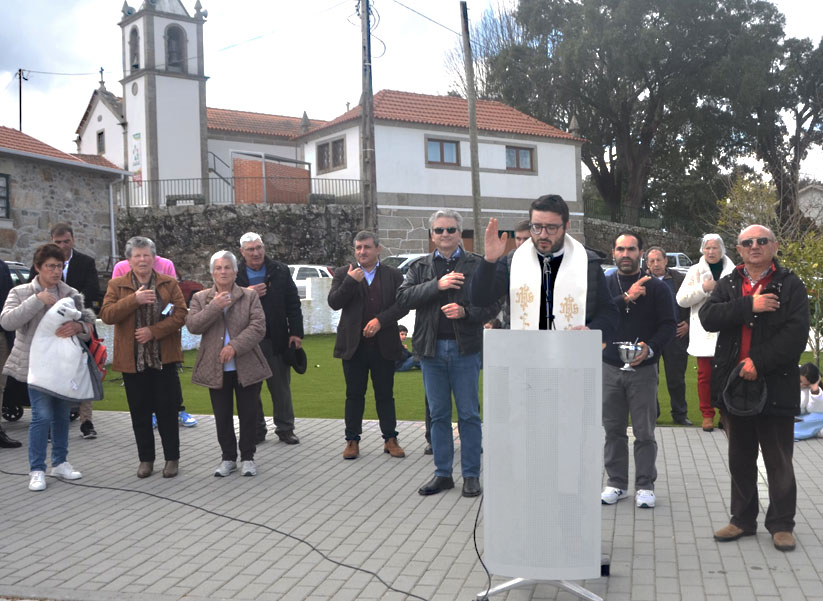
pixel 313 526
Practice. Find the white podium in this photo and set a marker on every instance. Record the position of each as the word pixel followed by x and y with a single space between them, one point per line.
pixel 543 457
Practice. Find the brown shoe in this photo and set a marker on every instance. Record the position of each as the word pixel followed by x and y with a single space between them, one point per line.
pixel 392 448
pixel 708 424
pixel 731 532
pixel 783 541
pixel 170 470
pixel 352 450
pixel 145 469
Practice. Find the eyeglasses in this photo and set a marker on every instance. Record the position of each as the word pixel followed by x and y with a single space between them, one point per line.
pixel 52 266
pixel 748 242
pixel 551 228
pixel 440 230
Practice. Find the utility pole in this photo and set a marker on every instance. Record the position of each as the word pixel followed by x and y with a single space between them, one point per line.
pixel 21 77
pixel 368 170
pixel 472 98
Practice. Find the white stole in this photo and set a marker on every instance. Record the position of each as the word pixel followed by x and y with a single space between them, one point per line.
pixel 570 286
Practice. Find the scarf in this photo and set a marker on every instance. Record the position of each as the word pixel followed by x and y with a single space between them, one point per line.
pixel 570 287
pixel 147 355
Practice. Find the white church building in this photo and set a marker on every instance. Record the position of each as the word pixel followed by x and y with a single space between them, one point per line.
pixel 180 151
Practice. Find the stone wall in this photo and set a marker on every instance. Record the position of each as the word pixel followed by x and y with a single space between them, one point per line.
pixel 600 236
pixel 313 234
pixel 42 194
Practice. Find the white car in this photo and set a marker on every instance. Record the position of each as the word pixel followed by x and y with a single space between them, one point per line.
pixel 301 273
pixel 402 262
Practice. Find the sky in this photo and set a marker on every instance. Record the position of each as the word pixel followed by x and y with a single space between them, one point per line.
pixel 270 56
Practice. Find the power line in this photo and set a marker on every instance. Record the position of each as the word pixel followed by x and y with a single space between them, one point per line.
pixel 428 18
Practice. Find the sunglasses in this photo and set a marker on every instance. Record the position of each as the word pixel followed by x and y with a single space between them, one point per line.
pixel 748 242
pixel 440 230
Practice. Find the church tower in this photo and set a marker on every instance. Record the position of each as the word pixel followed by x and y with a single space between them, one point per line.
pixel 164 91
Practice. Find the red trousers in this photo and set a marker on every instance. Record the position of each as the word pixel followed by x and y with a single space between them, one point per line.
pixel 704 389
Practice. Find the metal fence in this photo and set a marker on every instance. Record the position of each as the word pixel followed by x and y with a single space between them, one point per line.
pixel 237 190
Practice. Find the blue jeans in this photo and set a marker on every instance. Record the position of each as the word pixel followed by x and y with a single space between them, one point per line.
pixel 47 412
pixel 446 373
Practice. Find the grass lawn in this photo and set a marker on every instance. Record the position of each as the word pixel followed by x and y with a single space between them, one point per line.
pixel 321 391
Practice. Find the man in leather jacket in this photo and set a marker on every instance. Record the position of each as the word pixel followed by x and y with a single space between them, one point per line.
pixel 448 338
pixel 761 311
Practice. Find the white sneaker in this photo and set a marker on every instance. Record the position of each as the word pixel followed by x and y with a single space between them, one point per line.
pixel 644 499
pixel 38 480
pixel 612 495
pixel 65 471
pixel 248 468
pixel 225 468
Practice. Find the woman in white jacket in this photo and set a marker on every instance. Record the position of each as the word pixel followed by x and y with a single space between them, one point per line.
pixel 693 293
pixel 810 422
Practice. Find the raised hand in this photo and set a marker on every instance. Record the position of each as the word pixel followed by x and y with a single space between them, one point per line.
pixel 495 245
pixel 145 297
pixel 355 273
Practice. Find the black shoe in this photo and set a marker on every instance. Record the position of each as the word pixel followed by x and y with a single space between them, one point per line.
pixel 288 437
pixel 260 437
pixel 8 443
pixel 436 484
pixel 428 449
pixel 87 430
pixel 683 421
pixel 471 487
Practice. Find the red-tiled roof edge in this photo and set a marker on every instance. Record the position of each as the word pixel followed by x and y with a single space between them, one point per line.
pixel 17 143
pixel 95 159
pixel 385 96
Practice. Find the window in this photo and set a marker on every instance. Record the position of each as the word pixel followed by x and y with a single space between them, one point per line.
pixel 442 152
pixel 134 49
pixel 519 159
pixel 331 155
pixel 4 196
pixel 101 142
pixel 175 49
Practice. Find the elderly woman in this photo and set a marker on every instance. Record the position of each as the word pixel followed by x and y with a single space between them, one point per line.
pixel 25 307
pixel 229 361
pixel 147 310
pixel 693 293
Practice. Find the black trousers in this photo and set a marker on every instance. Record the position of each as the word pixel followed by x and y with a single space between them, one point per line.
pixel 675 360
pixel 153 391
pixel 367 359
pixel 222 403
pixel 775 438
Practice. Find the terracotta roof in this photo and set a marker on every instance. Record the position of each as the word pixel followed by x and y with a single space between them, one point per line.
pixel 452 111
pixel 14 140
pixel 257 123
pixel 95 159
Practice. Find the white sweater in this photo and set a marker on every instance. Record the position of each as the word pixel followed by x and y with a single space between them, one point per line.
pixel 811 403
pixel 692 296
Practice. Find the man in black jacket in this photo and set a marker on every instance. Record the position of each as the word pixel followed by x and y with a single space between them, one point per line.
pixel 448 338
pixel 761 311
pixel 368 340
pixel 284 327
pixel 675 356
pixel 646 307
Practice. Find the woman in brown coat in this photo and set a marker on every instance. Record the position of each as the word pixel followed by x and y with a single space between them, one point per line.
pixel 148 311
pixel 230 362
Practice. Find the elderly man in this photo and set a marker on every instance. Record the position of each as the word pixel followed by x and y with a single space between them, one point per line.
pixel 675 357
pixel 554 263
pixel 284 327
pixel 448 338
pixel 761 311
pixel 79 272
pixel 646 308
pixel 368 340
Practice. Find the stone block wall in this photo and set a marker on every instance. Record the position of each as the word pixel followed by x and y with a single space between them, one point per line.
pixel 189 235
pixel 600 236
pixel 43 194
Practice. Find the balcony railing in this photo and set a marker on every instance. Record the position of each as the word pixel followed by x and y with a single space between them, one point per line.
pixel 237 190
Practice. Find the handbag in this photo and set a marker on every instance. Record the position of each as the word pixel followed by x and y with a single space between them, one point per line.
pixel 98 353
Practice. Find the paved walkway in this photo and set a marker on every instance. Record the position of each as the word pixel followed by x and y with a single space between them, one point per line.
pixel 112 537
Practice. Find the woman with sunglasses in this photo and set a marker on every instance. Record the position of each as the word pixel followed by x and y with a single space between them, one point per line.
pixel 693 293
pixel 24 308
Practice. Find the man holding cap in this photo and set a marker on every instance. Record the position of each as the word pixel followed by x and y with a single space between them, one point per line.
pixel 761 312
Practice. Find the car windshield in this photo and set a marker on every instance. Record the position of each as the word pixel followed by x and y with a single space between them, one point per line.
pixel 393 261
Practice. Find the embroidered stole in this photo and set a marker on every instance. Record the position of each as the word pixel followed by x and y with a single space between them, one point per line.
pixel 570 286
